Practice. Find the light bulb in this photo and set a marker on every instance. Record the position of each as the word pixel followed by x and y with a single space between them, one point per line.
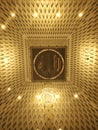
pixel 13 14
pixel 80 14
pixel 35 14
pixel 6 60
pixel 3 26
pixel 9 89
pixel 76 95
pixel 38 97
pixel 57 96
pixel 19 97
pixel 60 129
pixel 58 14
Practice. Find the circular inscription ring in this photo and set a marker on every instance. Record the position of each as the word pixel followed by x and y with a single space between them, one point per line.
pixel 48 64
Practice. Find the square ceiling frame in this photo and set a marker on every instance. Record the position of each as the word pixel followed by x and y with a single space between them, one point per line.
pixel 40 41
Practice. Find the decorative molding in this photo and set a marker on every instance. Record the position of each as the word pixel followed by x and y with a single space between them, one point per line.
pixel 52 40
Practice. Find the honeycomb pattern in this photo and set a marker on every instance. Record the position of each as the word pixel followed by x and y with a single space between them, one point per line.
pixel 68 112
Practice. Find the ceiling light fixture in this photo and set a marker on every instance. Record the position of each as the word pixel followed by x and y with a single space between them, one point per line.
pixel 9 89
pixel 38 97
pixel 57 96
pixel 80 14
pixel 19 97
pixel 60 129
pixel 3 26
pixel 6 60
pixel 58 14
pixel 35 14
pixel 76 95
pixel 13 14
pixel 47 96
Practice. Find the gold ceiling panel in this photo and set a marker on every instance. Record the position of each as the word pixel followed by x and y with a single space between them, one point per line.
pixel 38 20
pixel 46 18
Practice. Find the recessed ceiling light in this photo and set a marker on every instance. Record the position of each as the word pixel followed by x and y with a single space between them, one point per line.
pixel 76 95
pixel 38 97
pixel 58 14
pixel 19 97
pixel 35 14
pixel 9 89
pixel 80 14
pixel 3 26
pixel 60 129
pixel 6 60
pixel 57 96
pixel 13 14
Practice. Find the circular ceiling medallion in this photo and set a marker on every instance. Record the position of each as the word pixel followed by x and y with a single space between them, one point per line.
pixel 48 64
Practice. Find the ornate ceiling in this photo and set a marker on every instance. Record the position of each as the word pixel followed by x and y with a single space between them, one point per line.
pixel 72 105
